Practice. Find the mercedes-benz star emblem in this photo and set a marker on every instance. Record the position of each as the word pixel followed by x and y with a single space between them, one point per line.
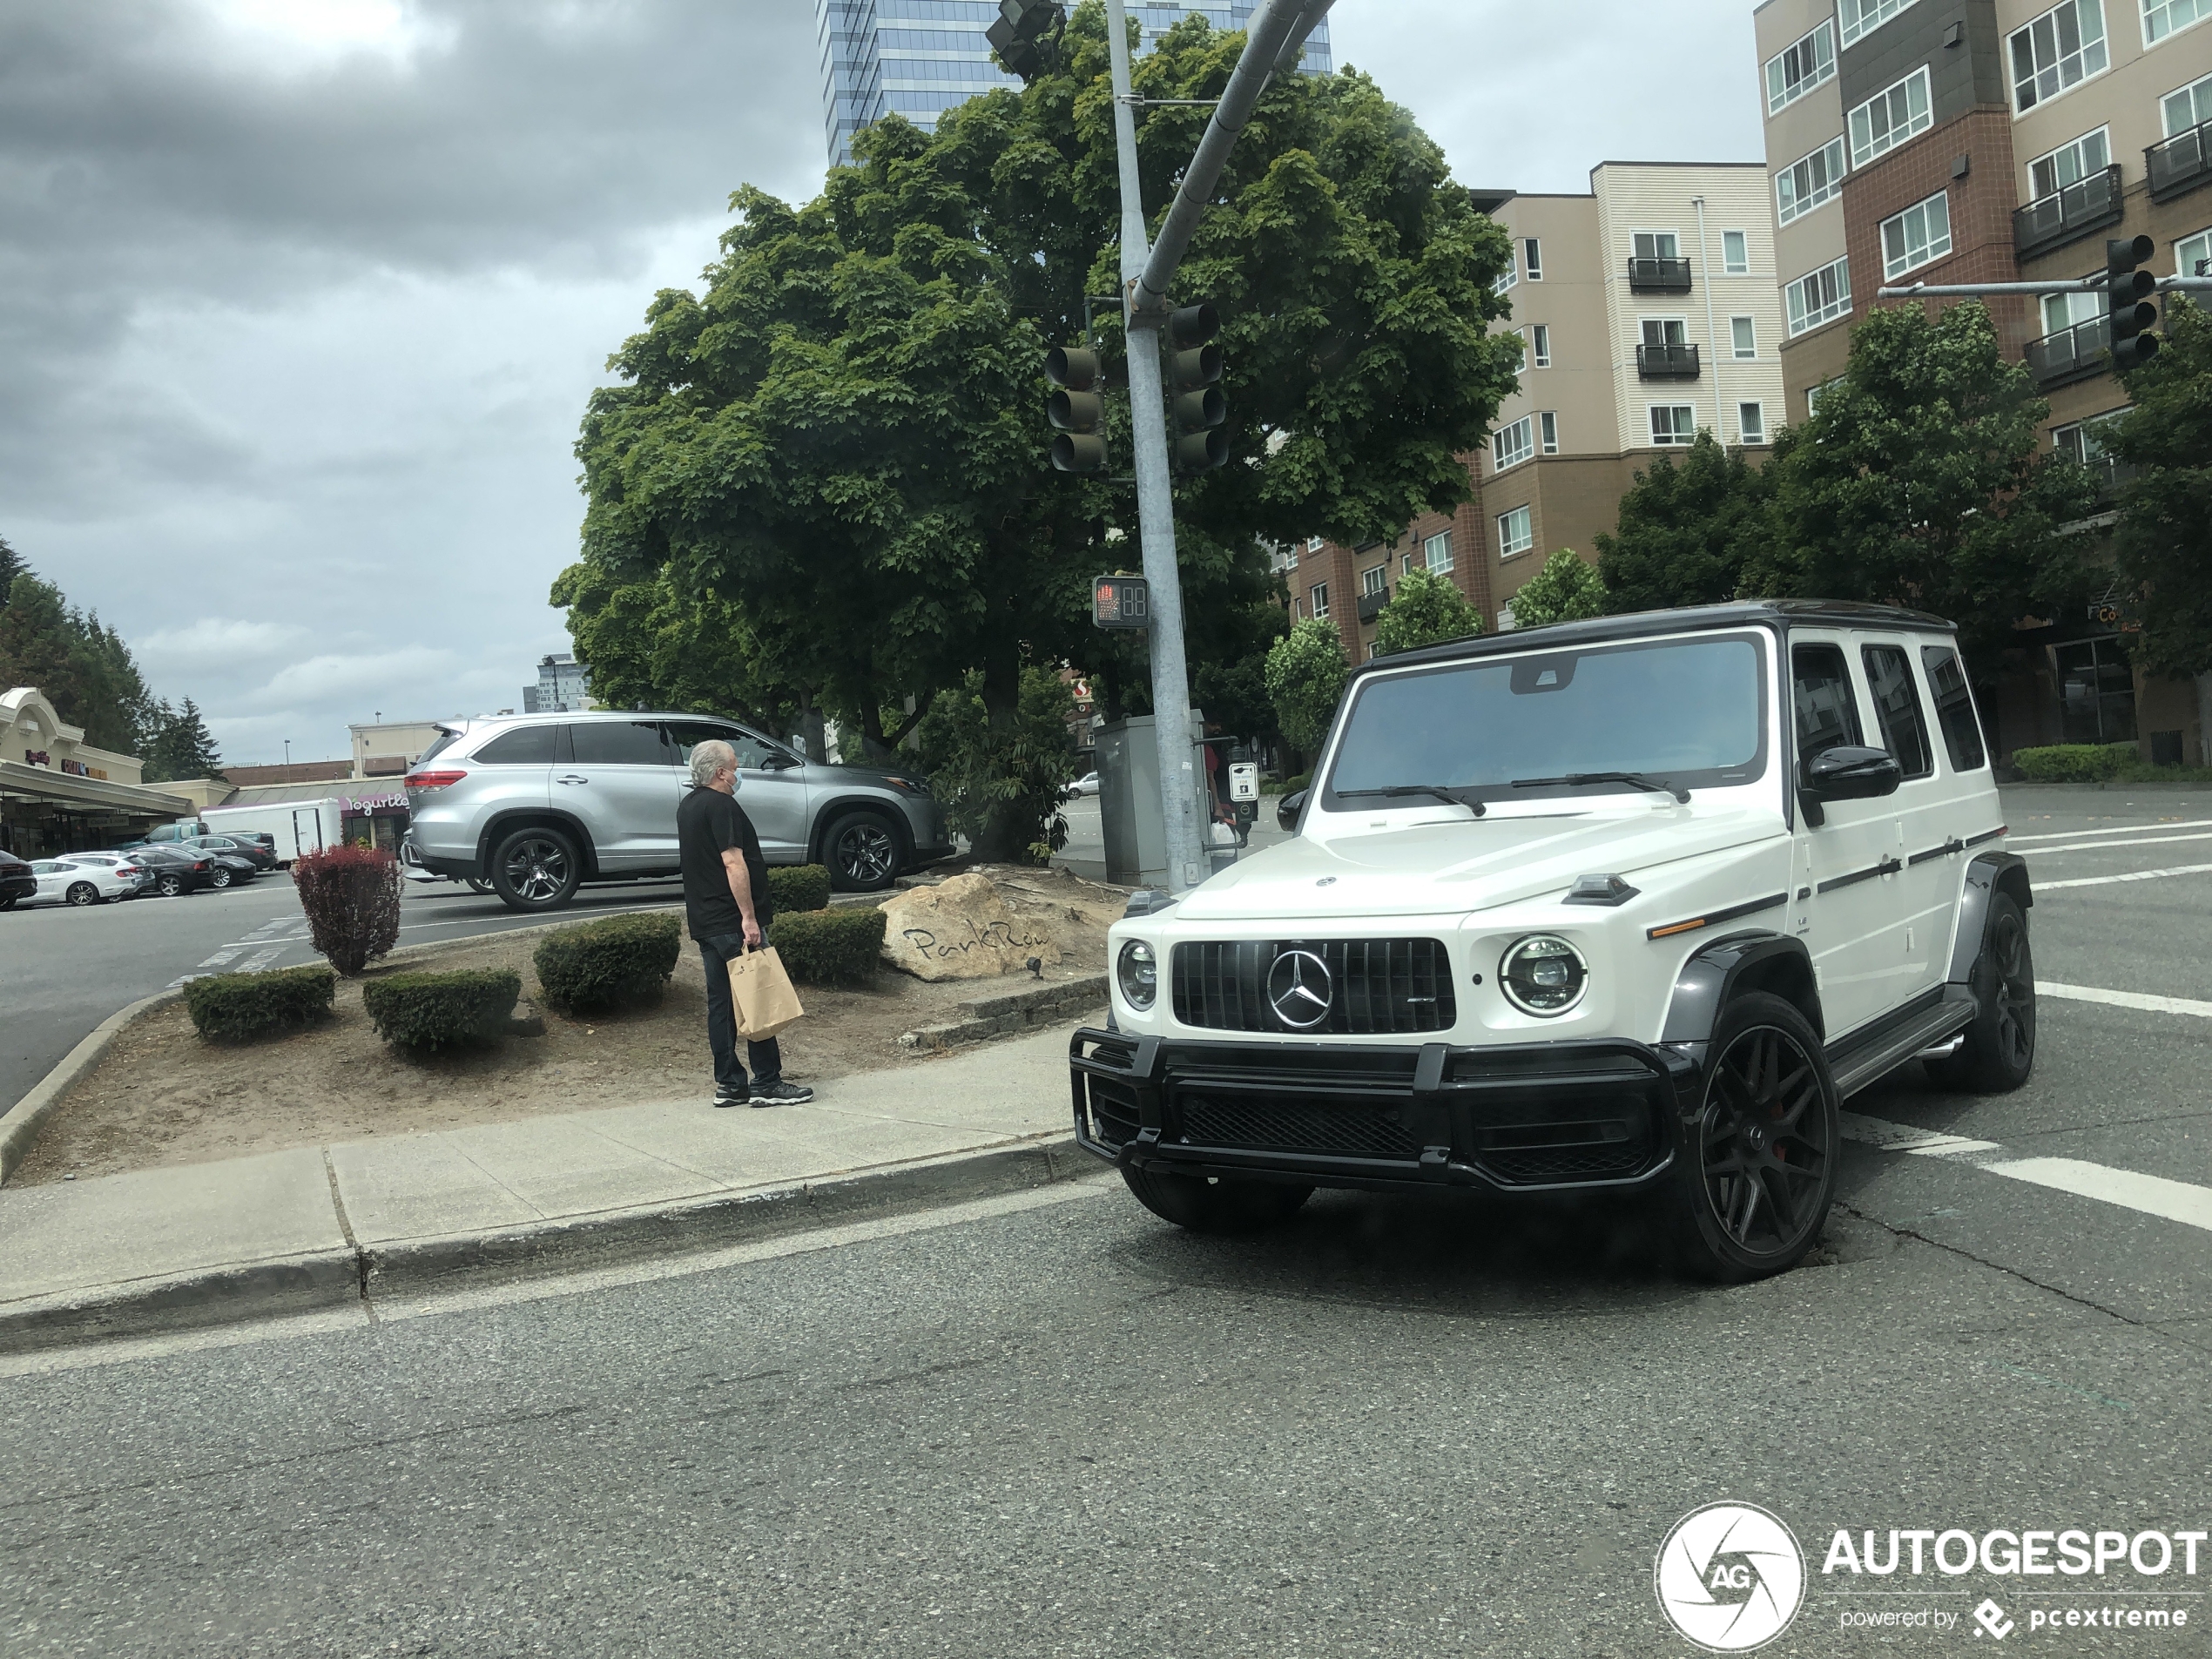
pixel 1299 989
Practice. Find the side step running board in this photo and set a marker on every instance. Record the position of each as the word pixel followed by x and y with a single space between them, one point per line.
pixel 1859 1066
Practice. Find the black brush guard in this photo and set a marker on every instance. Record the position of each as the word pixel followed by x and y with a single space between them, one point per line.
pixel 1601 1114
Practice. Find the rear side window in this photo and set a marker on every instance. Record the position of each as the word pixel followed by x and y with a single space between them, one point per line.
pixel 445 742
pixel 1954 707
pixel 618 743
pixel 1896 705
pixel 1827 712
pixel 528 745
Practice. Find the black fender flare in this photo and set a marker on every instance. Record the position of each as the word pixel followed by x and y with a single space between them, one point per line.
pixel 1753 960
pixel 1986 872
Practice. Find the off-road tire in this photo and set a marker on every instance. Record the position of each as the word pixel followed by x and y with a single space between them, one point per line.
pixel 534 870
pixel 862 852
pixel 1998 1049
pixel 1201 1204
pixel 1758 1167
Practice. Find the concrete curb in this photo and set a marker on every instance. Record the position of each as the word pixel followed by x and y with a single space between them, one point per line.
pixel 334 1281
pixel 1017 1011
pixel 20 1124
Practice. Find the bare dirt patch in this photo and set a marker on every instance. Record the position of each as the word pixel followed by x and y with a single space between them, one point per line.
pixel 164 1096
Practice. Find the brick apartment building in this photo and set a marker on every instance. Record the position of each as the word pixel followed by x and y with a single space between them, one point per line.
pixel 1958 141
pixel 1649 310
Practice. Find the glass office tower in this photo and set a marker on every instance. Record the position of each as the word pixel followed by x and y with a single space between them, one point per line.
pixel 922 56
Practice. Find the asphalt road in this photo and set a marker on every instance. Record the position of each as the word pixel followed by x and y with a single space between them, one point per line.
pixel 1051 1425
pixel 63 971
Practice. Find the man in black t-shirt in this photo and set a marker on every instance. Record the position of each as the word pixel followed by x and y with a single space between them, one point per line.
pixel 727 907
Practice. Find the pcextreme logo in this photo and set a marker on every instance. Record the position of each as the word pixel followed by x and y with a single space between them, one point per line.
pixel 1731 1577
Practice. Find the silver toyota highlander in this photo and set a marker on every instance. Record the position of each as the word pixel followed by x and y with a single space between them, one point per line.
pixel 539 804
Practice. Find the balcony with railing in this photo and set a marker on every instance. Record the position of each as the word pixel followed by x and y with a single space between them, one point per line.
pixel 2067 215
pixel 1658 276
pixel 1667 362
pixel 1371 604
pixel 2070 354
pixel 2180 164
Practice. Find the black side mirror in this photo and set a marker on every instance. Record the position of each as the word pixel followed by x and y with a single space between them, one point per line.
pixel 1847 772
pixel 1288 809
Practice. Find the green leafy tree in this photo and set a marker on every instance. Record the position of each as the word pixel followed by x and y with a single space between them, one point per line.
pixel 1427 609
pixel 1687 529
pixel 181 746
pixel 841 438
pixel 1917 482
pixel 2163 542
pixel 1306 673
pixel 1566 589
pixel 981 770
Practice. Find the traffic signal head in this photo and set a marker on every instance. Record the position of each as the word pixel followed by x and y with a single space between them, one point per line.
pixel 1077 410
pixel 1019 36
pixel 1194 375
pixel 2127 291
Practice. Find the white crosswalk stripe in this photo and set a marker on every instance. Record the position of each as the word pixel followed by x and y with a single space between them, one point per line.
pixel 2147 1001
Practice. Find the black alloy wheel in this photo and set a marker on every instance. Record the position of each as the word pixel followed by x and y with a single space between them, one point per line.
pixel 219 878
pixel 1998 1050
pixel 1759 1162
pixel 1212 1205
pixel 169 886
pixel 535 869
pixel 863 853
pixel 82 893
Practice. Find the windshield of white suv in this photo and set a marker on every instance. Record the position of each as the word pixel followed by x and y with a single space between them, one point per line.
pixel 1686 712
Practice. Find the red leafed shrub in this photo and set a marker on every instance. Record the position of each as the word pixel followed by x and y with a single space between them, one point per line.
pixel 351 898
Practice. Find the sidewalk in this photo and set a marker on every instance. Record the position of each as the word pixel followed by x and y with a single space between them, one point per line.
pixel 320 1226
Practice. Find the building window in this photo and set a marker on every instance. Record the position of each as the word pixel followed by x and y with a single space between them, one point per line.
pixel 1313 543
pixel 1656 244
pixel 1672 423
pixel 1890 118
pixel 1735 253
pixel 1516 533
pixel 1796 70
pixel 1814 394
pixel 1531 255
pixel 1743 337
pixel 1438 550
pixel 2083 441
pixel 2190 107
pixel 1818 296
pixel 1543 334
pixel 2163 17
pixel 1320 598
pixel 2069 163
pixel 1750 420
pixel 1920 235
pixel 1505 619
pixel 1665 331
pixel 1547 423
pixel 1860 15
pixel 1374 580
pixel 2193 255
pixel 2062 311
pixel 2060 50
pixel 1809 183
pixel 1511 445
pixel 1298 609
pixel 1507 277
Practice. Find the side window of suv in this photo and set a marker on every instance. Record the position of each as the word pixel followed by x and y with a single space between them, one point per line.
pixel 1896 705
pixel 687 735
pixel 528 745
pixel 1827 712
pixel 618 743
pixel 1954 708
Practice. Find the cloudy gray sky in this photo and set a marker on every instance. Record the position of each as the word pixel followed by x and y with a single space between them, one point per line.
pixel 300 299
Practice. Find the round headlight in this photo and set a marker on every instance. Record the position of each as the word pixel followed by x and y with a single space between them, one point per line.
pixel 1139 973
pixel 1544 976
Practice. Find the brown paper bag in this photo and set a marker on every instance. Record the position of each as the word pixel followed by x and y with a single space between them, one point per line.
pixel 762 994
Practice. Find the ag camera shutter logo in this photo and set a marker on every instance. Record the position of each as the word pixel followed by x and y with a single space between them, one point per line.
pixel 1731 1577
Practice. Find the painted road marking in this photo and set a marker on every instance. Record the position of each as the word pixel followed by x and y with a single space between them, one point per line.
pixel 260 959
pixel 222 956
pixel 2132 875
pixel 2107 846
pixel 2149 1195
pixel 2126 999
pixel 2120 829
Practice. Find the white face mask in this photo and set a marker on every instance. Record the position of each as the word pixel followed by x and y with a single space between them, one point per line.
pixel 737 782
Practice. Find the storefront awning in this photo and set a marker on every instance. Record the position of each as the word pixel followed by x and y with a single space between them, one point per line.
pixel 66 789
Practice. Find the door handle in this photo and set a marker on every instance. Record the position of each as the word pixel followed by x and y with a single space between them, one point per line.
pixel 572 778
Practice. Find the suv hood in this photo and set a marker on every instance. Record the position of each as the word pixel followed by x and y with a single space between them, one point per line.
pixel 1461 865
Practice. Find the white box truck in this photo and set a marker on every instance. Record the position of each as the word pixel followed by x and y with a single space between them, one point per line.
pixel 298 826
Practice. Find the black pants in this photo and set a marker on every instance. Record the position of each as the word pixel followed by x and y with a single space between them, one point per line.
pixel 722 1018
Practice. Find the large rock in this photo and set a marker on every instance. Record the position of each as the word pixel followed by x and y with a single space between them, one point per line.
pixel 961 929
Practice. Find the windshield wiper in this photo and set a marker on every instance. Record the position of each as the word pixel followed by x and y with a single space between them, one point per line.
pixel 1397 791
pixel 1640 779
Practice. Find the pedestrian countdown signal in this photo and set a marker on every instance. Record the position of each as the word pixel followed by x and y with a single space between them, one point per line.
pixel 1121 602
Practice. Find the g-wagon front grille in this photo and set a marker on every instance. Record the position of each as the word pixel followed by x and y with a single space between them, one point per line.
pixel 1374 986
pixel 1349 1130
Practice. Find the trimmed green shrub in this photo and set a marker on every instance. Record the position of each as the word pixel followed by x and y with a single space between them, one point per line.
pixel 604 964
pixel 233 1006
pixel 1292 785
pixel 798 886
pixel 2075 763
pixel 430 1010
pixel 830 947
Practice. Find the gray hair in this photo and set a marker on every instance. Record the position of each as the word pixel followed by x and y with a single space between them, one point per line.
pixel 710 760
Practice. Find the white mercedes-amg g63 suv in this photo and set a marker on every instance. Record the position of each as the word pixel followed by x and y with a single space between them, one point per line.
pixel 1630 903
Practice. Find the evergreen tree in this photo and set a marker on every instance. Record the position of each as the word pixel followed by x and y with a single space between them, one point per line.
pixel 181 746
pixel 12 564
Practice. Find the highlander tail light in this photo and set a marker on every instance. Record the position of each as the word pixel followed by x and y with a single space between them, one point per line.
pixel 431 779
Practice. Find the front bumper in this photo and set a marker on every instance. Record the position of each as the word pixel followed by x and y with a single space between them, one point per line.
pixel 1603 1114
